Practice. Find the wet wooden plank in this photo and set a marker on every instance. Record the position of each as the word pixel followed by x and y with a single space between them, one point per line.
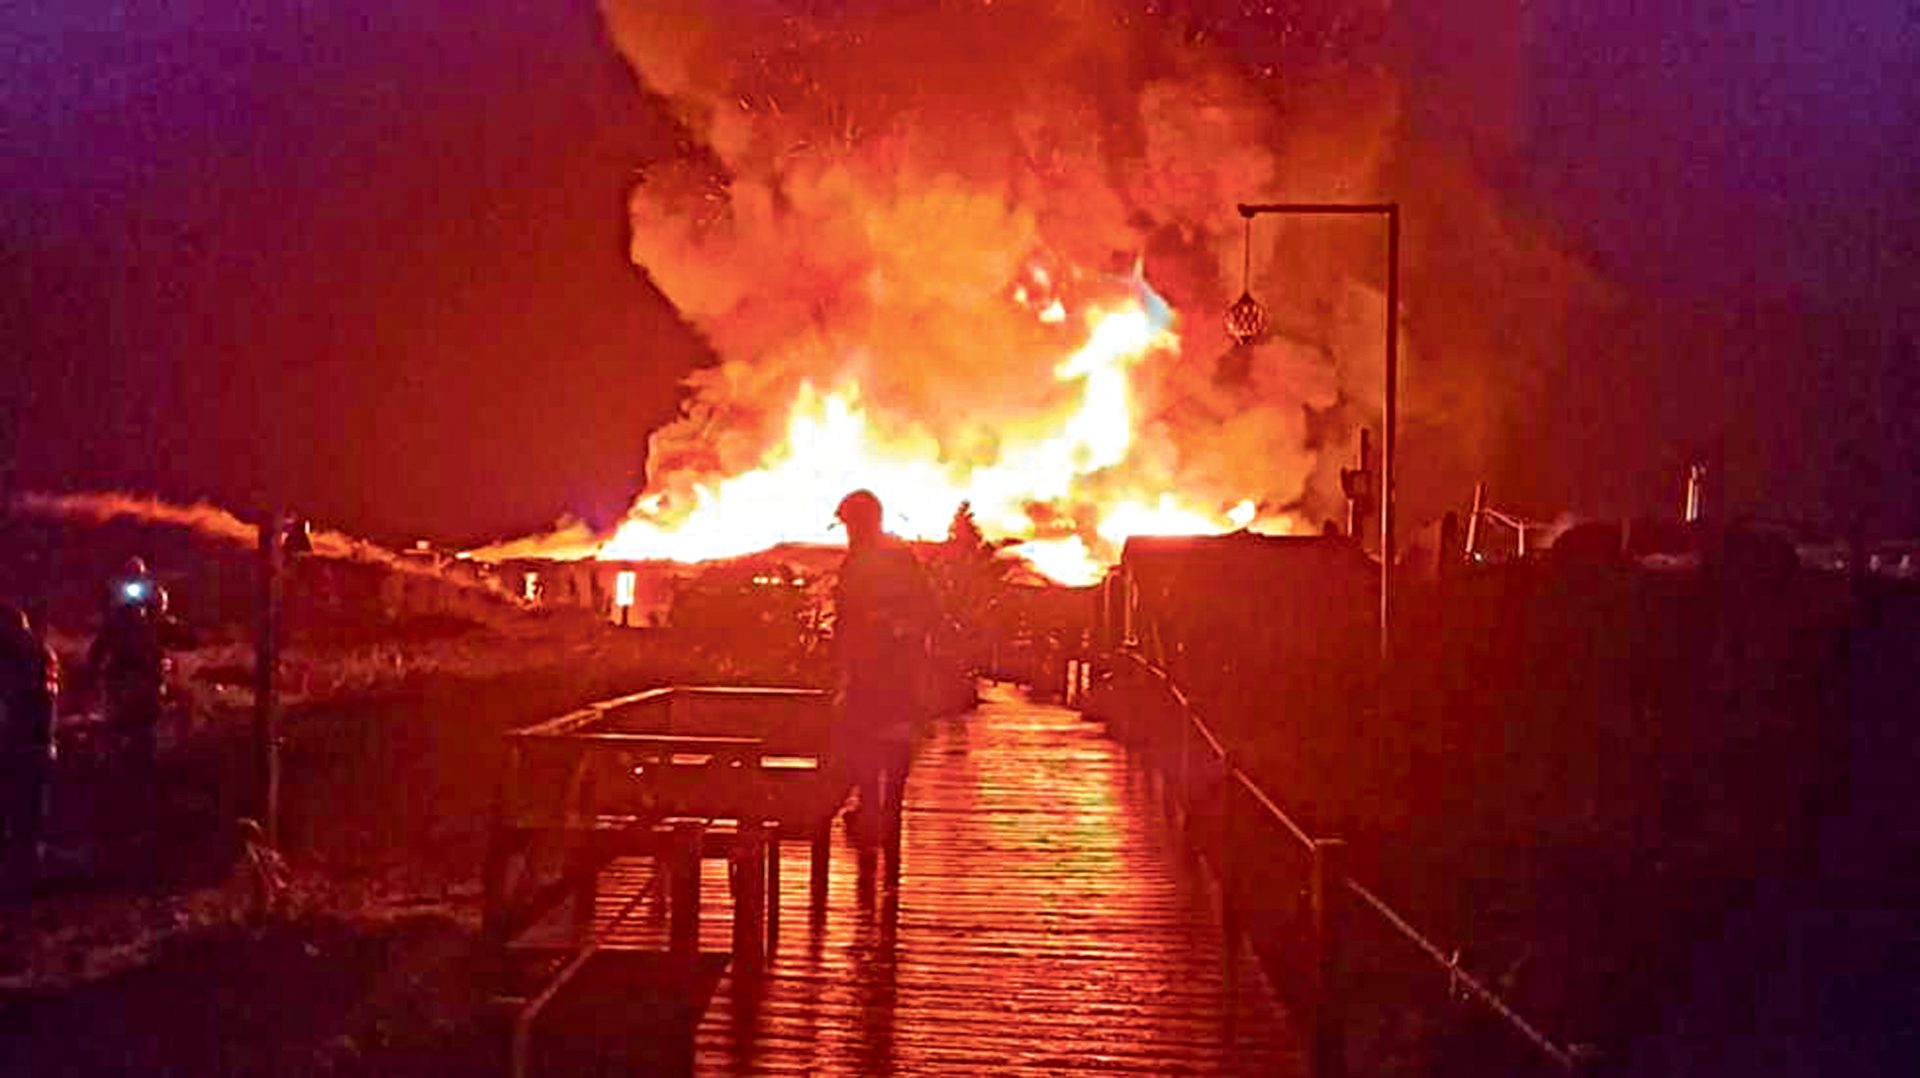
pixel 1044 920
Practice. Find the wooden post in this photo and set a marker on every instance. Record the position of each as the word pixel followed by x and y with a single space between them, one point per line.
pixel 818 865
pixel 584 864
pixel 1329 953
pixel 1185 794
pixel 500 851
pixel 749 879
pixel 773 886
pixel 683 928
pixel 266 663
pixel 1229 906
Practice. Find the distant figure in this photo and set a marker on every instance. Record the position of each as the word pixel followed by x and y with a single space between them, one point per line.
pixel 29 689
pixel 135 587
pixel 128 665
pixel 884 615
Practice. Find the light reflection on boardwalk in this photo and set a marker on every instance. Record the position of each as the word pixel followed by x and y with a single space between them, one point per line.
pixel 1044 920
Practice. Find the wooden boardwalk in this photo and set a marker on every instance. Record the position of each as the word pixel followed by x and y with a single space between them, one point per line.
pixel 1044 920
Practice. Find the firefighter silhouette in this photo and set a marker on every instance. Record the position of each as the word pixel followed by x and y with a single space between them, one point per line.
pixel 884 615
pixel 29 690
pixel 128 663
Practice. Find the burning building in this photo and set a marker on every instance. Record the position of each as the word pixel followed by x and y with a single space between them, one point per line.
pixel 974 253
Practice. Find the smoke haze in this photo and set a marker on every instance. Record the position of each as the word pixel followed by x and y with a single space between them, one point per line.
pixel 858 194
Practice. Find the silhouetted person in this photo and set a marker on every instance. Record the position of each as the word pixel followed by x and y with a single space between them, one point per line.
pixel 29 689
pixel 128 664
pixel 884 613
pixel 135 586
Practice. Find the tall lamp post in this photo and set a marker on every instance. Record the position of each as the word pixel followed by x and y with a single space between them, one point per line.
pixel 1247 319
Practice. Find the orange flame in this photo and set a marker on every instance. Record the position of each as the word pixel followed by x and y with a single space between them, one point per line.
pixel 1062 494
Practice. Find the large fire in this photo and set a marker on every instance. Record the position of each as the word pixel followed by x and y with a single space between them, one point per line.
pixel 899 231
pixel 1056 486
pixel 909 272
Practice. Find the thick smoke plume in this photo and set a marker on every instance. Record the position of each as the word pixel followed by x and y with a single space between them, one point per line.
pixel 865 193
pixel 204 519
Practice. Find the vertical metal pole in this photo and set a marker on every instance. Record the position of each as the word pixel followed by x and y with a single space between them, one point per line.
pixel 1393 428
pixel 1329 940
pixel 266 704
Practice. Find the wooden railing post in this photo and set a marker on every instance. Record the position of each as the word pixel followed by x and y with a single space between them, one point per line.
pixel 773 887
pixel 1185 797
pixel 820 851
pixel 493 871
pixel 683 903
pixel 1229 904
pixel 1329 885
pixel 585 862
pixel 747 871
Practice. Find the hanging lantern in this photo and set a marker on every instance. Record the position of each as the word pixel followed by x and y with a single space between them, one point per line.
pixel 1246 319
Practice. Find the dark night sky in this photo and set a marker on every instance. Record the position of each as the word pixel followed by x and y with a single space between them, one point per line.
pixel 377 252
pixel 1749 170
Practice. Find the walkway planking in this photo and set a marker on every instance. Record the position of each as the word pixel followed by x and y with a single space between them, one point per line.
pixel 1044 921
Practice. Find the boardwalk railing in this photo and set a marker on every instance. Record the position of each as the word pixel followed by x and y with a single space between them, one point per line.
pixel 676 774
pixel 576 789
pixel 1283 889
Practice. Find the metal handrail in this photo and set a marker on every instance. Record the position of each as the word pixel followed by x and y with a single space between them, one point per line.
pixel 1273 810
pixel 565 725
pixel 1570 1060
pixel 1234 771
pixel 691 742
pixel 579 717
pixel 1566 1058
